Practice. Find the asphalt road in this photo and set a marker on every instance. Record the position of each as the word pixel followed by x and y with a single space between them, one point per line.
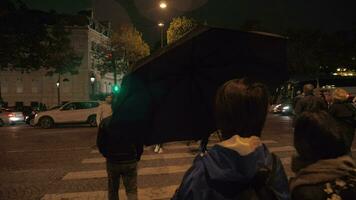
pixel 63 163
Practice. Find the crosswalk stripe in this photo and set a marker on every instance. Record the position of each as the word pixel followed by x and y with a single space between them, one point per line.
pixel 176 146
pixel 281 149
pixel 144 157
pixel 141 172
pixel 178 155
pixel 143 194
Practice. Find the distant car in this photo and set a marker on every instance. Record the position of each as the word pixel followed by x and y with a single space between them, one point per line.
pixel 10 117
pixel 287 109
pixel 69 113
pixel 276 108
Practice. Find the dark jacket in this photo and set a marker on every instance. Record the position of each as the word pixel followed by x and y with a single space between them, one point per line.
pixel 116 147
pixel 310 103
pixel 345 113
pixel 334 179
pixel 224 174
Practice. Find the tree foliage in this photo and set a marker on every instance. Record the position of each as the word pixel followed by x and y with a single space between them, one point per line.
pixel 124 48
pixel 179 27
pixel 315 52
pixel 32 40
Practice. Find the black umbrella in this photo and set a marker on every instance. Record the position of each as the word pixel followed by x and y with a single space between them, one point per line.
pixel 169 96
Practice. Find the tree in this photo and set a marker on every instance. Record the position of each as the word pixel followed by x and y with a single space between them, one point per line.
pixel 32 40
pixel 61 57
pixel 303 52
pixel 179 27
pixel 124 48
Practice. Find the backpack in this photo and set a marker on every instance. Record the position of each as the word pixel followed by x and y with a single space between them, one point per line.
pixel 114 146
pixel 259 188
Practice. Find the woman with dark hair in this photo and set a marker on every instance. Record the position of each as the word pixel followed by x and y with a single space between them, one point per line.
pixel 239 167
pixel 323 166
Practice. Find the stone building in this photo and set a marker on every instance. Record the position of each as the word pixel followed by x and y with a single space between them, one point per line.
pixel 30 89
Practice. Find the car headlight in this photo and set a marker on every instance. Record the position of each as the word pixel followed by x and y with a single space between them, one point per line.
pixel 286 107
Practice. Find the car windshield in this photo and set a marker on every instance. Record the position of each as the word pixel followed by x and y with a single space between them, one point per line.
pixel 54 107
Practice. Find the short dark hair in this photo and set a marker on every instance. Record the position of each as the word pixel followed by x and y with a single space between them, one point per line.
pixel 308 89
pixel 317 135
pixel 241 108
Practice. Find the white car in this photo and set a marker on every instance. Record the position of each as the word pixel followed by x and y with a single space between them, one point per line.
pixel 69 113
pixel 8 116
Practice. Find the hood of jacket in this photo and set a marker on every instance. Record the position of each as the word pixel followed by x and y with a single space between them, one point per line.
pixel 235 162
pixel 324 171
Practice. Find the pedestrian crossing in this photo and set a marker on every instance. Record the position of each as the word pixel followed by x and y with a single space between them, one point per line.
pixel 171 164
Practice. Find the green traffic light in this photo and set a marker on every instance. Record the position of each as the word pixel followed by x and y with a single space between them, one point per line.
pixel 116 89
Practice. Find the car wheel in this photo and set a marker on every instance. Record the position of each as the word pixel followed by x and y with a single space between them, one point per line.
pixel 46 122
pixel 92 121
pixel 1 123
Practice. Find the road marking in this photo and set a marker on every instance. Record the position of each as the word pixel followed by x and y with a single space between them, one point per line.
pixel 286 160
pixel 281 149
pixel 143 194
pixel 141 172
pixel 144 157
pixel 49 150
pixel 176 146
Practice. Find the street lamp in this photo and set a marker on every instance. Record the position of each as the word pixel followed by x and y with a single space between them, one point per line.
pixel 162 4
pixel 161 25
pixel 92 80
pixel 58 92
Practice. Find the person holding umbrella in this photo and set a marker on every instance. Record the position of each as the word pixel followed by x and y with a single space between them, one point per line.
pixel 239 167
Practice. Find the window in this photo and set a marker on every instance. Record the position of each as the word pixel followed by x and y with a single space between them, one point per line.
pixel 4 86
pixel 35 86
pixel 19 105
pixel 19 85
pixel 83 105
pixel 70 106
pixel 94 104
pixel 34 104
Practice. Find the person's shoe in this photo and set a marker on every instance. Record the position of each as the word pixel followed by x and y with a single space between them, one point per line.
pixel 160 150
pixel 156 148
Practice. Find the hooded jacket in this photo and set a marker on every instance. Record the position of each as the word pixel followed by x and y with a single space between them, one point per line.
pixel 325 179
pixel 229 169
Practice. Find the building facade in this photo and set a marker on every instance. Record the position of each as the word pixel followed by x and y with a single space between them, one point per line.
pixel 30 89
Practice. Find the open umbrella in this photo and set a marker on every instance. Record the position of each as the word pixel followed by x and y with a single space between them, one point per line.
pixel 169 96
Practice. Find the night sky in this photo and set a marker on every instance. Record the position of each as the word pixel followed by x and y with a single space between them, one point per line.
pixel 274 15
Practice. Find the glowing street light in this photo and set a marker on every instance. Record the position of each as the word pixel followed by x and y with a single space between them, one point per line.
pixel 163 4
pixel 161 25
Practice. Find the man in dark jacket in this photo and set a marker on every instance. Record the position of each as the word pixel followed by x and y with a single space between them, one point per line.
pixel 323 166
pixel 240 167
pixel 309 102
pixel 122 154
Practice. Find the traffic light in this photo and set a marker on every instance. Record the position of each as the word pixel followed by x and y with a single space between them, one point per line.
pixel 116 89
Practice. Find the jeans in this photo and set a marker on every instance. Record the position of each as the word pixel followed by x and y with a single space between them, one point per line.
pixel 128 172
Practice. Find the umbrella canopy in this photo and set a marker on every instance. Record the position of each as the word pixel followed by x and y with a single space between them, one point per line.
pixel 170 95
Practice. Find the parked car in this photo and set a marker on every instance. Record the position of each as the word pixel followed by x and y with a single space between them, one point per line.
pixel 10 117
pixel 69 113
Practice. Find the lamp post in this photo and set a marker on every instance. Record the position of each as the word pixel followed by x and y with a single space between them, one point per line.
pixel 92 81
pixel 161 25
pixel 58 84
pixel 163 4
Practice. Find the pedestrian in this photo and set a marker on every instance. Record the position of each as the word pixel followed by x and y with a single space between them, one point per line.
pixel 104 110
pixel 344 112
pixel 237 167
pixel 122 153
pixel 158 148
pixel 203 145
pixel 309 102
pixel 324 169
pixel 299 96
